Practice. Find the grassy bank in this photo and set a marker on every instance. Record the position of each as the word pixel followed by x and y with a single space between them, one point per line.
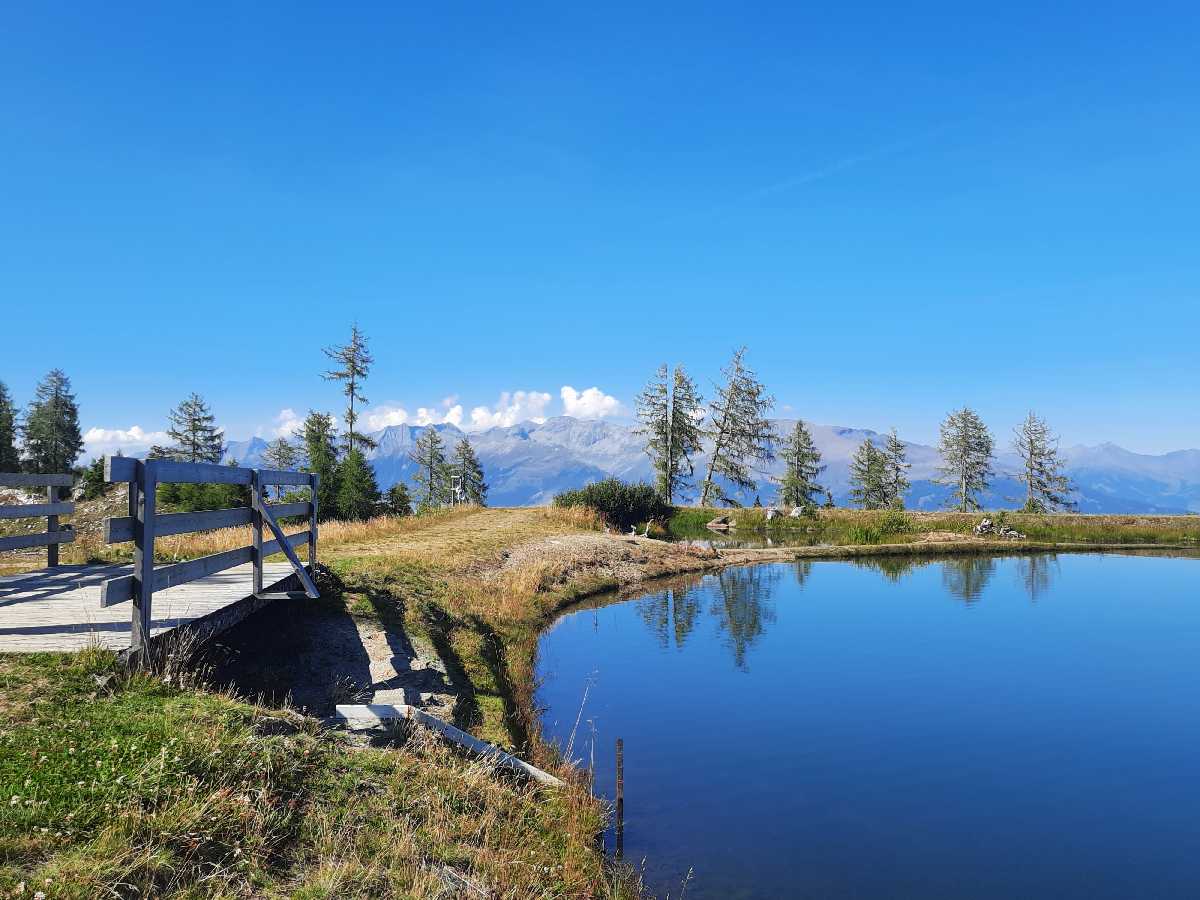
pixel 146 785
pixel 851 527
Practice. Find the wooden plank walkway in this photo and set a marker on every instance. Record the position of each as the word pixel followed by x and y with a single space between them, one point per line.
pixel 59 609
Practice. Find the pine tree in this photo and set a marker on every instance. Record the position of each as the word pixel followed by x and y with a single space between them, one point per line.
pixel 194 434
pixel 92 484
pixel 868 477
pixel 358 492
pixel 896 465
pixel 1047 488
pixel 353 364
pixel 10 460
pixel 803 464
pixel 966 447
pixel 670 412
pixel 280 454
pixel 739 430
pixel 829 504
pixel 52 438
pixel 319 436
pixel 432 477
pixel 467 467
pixel 396 500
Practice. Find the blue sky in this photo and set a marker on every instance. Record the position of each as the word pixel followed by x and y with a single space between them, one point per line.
pixel 899 210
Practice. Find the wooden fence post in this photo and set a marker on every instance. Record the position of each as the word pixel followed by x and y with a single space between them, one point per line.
pixel 256 500
pixel 314 481
pixel 52 527
pixel 143 553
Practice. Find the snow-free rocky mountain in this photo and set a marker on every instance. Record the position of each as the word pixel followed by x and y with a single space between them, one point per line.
pixel 527 464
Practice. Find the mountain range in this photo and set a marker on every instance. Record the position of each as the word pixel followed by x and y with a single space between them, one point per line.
pixel 528 463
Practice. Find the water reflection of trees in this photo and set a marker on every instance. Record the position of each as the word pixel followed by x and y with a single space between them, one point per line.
pixel 1037 573
pixel 893 568
pixel 966 577
pixel 671 614
pixel 743 606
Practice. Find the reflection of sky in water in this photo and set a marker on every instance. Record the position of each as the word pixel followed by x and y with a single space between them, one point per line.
pixel 897 727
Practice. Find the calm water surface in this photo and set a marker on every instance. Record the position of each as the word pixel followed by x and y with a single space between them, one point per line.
pixel 983 728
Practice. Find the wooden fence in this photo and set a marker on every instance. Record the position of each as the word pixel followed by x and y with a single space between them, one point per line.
pixel 51 509
pixel 144 524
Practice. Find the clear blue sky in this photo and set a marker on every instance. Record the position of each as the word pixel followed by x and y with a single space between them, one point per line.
pixel 899 209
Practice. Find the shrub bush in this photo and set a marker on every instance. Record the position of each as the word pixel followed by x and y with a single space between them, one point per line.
pixel 620 505
pixel 895 521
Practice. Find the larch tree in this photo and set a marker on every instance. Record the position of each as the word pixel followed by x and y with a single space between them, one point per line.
pixel 396 500
pixel 469 470
pixel 280 454
pixel 740 432
pixel 802 461
pixel 52 438
pixel 193 433
pixel 868 477
pixel 966 448
pixel 432 475
pixel 352 364
pixel 357 489
pixel 896 466
pixel 319 437
pixel 10 459
pixel 670 412
pixel 1047 487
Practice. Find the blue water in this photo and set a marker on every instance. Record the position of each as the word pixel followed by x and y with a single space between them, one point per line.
pixel 982 728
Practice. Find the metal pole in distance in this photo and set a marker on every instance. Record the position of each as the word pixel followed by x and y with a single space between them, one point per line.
pixel 620 798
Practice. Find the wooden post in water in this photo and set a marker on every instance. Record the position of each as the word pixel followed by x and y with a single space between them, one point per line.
pixel 620 798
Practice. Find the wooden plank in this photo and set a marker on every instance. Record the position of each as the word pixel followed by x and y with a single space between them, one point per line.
pixel 313 483
pixel 256 503
pixel 172 472
pixel 283 510
pixel 270 548
pixel 118 529
pixel 46 539
pixel 120 589
pixel 52 527
pixel 36 510
pixel 120 468
pixel 21 479
pixel 277 476
pixel 303 575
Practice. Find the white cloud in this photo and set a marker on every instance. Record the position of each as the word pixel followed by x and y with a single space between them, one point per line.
pixel 130 441
pixel 287 423
pixel 592 403
pixel 452 415
pixel 385 416
pixel 518 406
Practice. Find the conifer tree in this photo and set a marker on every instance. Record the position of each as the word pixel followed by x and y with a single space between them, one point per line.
pixel 194 434
pixel 352 365
pixel 896 465
pixel 358 492
pixel 432 476
pixel 740 432
pixel 319 436
pixel 670 411
pixel 868 477
pixel 10 460
pixel 52 438
pixel 280 454
pixel 397 501
pixel 1047 488
pixel 467 467
pixel 798 486
pixel 966 447
pixel 92 483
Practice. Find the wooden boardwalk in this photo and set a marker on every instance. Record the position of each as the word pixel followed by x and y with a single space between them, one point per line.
pixel 59 609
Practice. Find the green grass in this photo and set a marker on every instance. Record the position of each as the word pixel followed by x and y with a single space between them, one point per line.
pixel 843 527
pixel 141 787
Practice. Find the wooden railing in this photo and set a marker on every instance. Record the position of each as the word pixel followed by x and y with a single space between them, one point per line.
pixel 51 509
pixel 144 524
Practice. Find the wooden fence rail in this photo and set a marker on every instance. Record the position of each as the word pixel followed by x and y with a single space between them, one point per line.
pixel 144 524
pixel 51 509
